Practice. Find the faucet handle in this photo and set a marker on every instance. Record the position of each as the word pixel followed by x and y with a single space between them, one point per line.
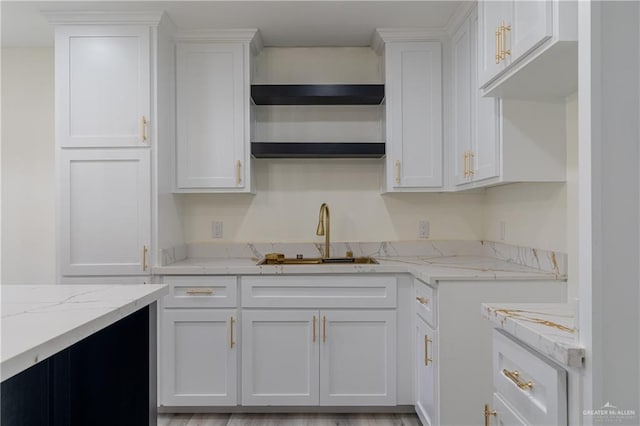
pixel 349 254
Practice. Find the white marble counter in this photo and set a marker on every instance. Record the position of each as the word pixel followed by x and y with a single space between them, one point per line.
pixel 41 320
pixel 425 268
pixel 549 328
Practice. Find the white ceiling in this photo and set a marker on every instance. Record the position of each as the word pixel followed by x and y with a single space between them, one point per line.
pixel 281 23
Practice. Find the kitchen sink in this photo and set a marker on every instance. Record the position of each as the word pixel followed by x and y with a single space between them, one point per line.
pixel 275 259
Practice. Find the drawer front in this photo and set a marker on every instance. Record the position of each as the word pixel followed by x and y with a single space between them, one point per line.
pixel 326 291
pixel 533 386
pixel 425 302
pixel 505 416
pixel 201 292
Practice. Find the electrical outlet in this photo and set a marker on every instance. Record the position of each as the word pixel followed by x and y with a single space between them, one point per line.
pixel 503 230
pixel 216 229
pixel 423 229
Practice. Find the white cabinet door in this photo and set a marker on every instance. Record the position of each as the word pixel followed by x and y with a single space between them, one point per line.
pixel 105 211
pixel 491 15
pixel 199 357
pixel 413 115
pixel 463 87
pixel 426 373
pixel 531 26
pixel 102 86
pixel 358 358
pixel 485 153
pixel 212 92
pixel 280 357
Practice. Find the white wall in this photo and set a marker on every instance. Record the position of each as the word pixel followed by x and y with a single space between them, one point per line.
pixel 289 194
pixel 27 166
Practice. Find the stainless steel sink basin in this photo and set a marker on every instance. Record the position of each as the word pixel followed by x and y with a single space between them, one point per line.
pixel 274 259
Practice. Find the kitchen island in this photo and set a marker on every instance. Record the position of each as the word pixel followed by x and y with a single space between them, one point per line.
pixel 79 354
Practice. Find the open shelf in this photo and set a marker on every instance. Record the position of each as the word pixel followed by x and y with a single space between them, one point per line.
pixel 317 94
pixel 317 149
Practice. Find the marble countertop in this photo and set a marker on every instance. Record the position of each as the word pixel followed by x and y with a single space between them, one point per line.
pixel 41 320
pixel 549 328
pixel 425 268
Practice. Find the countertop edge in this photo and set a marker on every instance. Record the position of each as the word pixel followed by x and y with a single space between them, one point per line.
pixel 567 354
pixel 22 361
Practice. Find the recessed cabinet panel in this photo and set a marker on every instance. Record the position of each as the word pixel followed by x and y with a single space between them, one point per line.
pixel 414 115
pixel 211 99
pixel 280 357
pixel 427 404
pixel 199 362
pixel 532 25
pixel 358 358
pixel 102 86
pixel 105 212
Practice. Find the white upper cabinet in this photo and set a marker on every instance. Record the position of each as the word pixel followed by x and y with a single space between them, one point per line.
pixel 105 211
pixel 413 91
pixel 496 141
pixel 102 86
pixel 475 130
pixel 213 152
pixel 528 49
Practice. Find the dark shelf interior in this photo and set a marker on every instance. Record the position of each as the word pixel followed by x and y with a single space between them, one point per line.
pixel 317 149
pixel 317 94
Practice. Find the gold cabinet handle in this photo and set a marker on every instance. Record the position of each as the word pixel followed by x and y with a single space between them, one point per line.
pixel 143 136
pixel 498 45
pixel 238 176
pixel 324 329
pixel 427 360
pixel 231 342
pixel 515 378
pixel 422 300
pixel 314 329
pixel 145 250
pixel 398 171
pixel 503 49
pixel 487 413
pixel 464 162
pixel 206 291
pixel 471 169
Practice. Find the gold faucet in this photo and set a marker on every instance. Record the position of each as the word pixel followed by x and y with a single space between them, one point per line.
pixel 324 213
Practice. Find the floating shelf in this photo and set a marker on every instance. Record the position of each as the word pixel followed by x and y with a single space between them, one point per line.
pixel 317 94
pixel 317 149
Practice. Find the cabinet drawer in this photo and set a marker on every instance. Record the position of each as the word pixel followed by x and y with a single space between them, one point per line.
pixel 425 302
pixel 326 291
pixel 505 414
pixel 201 292
pixel 534 387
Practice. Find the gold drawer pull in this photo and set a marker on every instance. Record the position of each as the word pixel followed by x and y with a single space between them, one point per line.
pixel 488 412
pixel 143 135
pixel 324 329
pixel 427 360
pixel 314 329
pixel 145 250
pixel 238 174
pixel 231 341
pixel 515 378
pixel 498 32
pixel 207 291
pixel 422 300
pixel 398 171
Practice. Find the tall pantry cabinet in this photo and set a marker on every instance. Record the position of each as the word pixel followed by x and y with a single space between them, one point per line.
pixel 105 141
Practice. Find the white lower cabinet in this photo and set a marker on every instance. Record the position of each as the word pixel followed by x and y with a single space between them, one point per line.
pixel 358 357
pixel 311 357
pixel 453 367
pixel 199 357
pixel 280 357
pixel 529 388
pixel 426 387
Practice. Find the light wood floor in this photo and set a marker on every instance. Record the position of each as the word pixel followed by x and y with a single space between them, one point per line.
pixel 288 420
